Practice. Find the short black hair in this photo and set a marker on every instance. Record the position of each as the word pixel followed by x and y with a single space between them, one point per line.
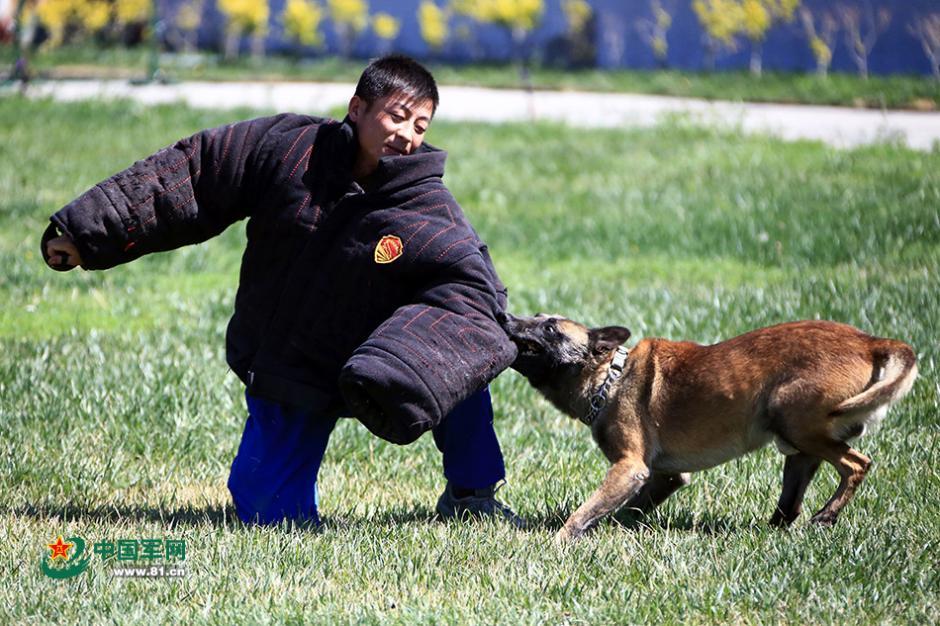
pixel 396 73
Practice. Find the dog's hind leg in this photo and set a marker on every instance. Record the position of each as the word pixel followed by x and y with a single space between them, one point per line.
pixel 852 466
pixel 659 487
pixel 624 480
pixel 798 471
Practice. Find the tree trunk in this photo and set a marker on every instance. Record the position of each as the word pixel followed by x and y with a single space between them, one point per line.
pixel 708 59
pixel 257 46
pixel 230 44
pixel 757 61
pixel 20 67
pixel 189 42
pixel 346 37
pixel 517 36
pixel 861 62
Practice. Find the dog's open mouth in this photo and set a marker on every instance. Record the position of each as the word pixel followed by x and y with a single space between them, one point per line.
pixel 527 347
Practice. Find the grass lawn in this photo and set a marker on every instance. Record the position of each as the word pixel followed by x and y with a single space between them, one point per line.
pixel 893 92
pixel 119 419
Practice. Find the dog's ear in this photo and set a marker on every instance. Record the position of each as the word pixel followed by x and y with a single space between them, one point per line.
pixel 605 339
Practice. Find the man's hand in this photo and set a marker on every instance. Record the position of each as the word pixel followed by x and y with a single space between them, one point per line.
pixel 61 253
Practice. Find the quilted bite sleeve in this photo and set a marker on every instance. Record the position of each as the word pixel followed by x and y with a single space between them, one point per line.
pixel 183 194
pixel 429 355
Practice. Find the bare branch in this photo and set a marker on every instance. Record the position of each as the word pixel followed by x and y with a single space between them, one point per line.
pixel 862 28
pixel 653 29
pixel 926 29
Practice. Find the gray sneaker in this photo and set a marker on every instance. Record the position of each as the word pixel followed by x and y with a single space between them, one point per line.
pixel 482 503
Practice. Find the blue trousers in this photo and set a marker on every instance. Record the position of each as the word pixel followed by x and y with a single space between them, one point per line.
pixel 274 474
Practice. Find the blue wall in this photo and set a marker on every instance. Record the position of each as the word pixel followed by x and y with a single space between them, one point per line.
pixel 786 48
pixel 617 41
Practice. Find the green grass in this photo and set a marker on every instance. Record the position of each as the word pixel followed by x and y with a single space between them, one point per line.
pixel 118 418
pixel 893 92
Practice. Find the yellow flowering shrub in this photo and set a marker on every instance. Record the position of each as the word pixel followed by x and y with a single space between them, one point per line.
pixel 786 9
pixel 94 15
pixel 721 19
pixel 821 51
pixel 759 15
pixel 470 8
pixel 386 26
pixel 654 30
pixel 189 16
pixel 301 19
pixel 660 48
pixel 517 14
pixel 351 14
pixel 246 15
pixel 756 19
pixel 662 17
pixel 577 12
pixel 57 16
pixel 132 11
pixel 433 23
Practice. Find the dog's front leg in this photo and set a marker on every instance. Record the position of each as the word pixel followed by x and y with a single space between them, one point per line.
pixel 624 480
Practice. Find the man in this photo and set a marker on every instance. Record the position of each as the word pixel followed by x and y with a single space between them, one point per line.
pixel 363 290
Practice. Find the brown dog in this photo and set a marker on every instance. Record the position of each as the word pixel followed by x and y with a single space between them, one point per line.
pixel 668 408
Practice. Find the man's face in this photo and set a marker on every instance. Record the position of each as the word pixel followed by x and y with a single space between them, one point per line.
pixel 393 125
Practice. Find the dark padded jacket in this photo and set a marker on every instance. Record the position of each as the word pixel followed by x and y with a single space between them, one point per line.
pixel 380 304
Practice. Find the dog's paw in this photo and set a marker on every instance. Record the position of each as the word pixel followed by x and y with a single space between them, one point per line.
pixel 564 537
pixel 779 520
pixel 823 519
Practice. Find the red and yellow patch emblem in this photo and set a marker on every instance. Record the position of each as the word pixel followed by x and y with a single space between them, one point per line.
pixel 388 249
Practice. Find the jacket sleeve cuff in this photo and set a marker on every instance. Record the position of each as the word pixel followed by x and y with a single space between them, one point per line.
pixel 94 226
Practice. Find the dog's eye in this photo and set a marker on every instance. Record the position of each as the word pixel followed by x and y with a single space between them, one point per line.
pixel 550 330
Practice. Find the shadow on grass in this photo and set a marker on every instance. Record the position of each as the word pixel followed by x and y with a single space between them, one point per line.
pixel 183 516
pixel 682 520
pixel 395 516
pixel 216 516
pixel 633 520
pixel 225 517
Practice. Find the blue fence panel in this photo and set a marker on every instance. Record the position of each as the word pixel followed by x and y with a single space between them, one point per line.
pixel 615 35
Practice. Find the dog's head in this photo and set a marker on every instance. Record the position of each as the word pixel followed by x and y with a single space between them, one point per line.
pixel 553 349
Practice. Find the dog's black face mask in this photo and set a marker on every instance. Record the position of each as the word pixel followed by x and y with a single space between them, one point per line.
pixel 553 348
pixel 550 347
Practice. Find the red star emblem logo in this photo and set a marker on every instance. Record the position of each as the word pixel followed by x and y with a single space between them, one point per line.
pixel 60 549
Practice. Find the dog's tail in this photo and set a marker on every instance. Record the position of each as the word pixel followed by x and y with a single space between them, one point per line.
pixel 895 368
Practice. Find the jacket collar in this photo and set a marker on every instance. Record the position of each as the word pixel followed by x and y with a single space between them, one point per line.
pixel 335 152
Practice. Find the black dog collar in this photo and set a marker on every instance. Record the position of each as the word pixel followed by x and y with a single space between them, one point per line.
pixel 599 399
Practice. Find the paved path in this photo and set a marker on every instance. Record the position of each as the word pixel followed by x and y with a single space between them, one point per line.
pixel 841 127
